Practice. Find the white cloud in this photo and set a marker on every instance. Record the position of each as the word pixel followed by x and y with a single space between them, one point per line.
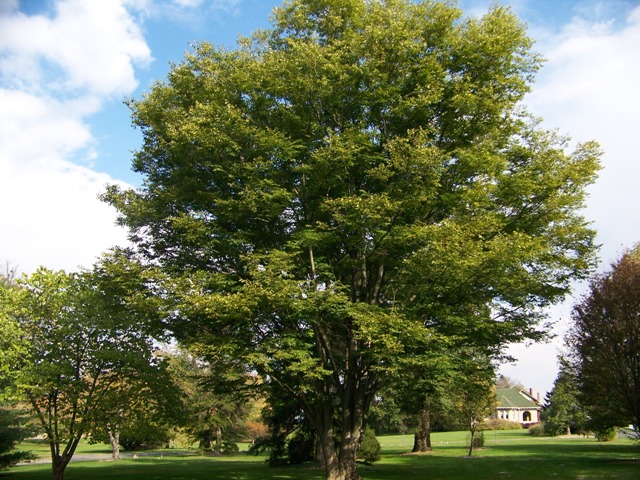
pixel 85 45
pixel 588 89
pixel 188 3
pixel 33 126
pixel 51 215
pixel 56 70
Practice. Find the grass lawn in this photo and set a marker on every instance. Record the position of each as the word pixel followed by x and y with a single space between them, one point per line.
pixel 507 455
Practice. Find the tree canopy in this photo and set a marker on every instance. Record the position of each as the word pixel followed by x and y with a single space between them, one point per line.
pixel 343 186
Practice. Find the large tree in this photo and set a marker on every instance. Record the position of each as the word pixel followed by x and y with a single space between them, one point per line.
pixel 340 186
pixel 605 344
pixel 78 338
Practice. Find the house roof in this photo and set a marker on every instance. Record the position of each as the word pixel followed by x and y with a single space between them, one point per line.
pixel 513 398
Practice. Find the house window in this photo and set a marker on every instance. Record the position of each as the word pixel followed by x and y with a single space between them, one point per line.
pixel 526 417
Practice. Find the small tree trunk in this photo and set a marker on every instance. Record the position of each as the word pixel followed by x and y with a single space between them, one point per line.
pixel 58 466
pixel 472 429
pixel 114 440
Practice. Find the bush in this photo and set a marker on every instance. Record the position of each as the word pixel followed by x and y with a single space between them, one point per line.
pixel 146 437
pixel 605 434
pixel 301 448
pixel 498 424
pixel 478 441
pixel 369 450
pixel 230 448
pixel 537 430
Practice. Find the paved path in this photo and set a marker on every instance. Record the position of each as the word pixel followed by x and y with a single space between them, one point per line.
pixel 105 457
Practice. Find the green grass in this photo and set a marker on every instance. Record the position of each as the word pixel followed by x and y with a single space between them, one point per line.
pixel 507 455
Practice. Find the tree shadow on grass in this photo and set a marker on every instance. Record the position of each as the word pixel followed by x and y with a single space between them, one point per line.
pixel 170 468
pixel 557 460
pixel 554 459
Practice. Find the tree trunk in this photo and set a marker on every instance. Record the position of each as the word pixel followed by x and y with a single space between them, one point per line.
pixel 319 451
pixel 114 440
pixel 339 462
pixel 205 440
pixel 218 445
pixel 471 444
pixel 472 429
pixel 58 466
pixel 422 437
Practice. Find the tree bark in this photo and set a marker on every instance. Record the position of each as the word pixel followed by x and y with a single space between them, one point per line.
pixel 217 449
pixel 59 465
pixel 422 437
pixel 472 430
pixel 114 440
pixel 339 461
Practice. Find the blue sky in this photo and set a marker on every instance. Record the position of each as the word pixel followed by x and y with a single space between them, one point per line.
pixel 66 66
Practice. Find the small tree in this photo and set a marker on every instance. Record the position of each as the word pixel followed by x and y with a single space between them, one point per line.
pixel 78 339
pixel 216 405
pixel 563 411
pixel 12 432
pixel 504 381
pixel 475 394
pixel 12 428
pixel 605 345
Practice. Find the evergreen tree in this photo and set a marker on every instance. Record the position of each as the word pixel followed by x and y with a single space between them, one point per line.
pixel 563 412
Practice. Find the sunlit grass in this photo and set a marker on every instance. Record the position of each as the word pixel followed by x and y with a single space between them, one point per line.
pixel 507 454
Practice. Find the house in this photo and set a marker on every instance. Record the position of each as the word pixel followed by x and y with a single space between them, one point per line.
pixel 518 406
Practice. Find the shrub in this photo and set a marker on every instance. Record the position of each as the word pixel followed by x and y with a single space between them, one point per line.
pixel 478 441
pixel 605 434
pixel 499 424
pixel 255 430
pixel 537 430
pixel 369 450
pixel 301 448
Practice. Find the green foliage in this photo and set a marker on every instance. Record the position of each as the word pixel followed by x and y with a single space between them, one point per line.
pixel 386 416
pixel 369 450
pixel 563 412
pixel 215 404
pixel 605 434
pixel 81 346
pixel 499 424
pixel 343 186
pixel 301 447
pixel 12 431
pixel 143 437
pixel 604 345
pixel 537 430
